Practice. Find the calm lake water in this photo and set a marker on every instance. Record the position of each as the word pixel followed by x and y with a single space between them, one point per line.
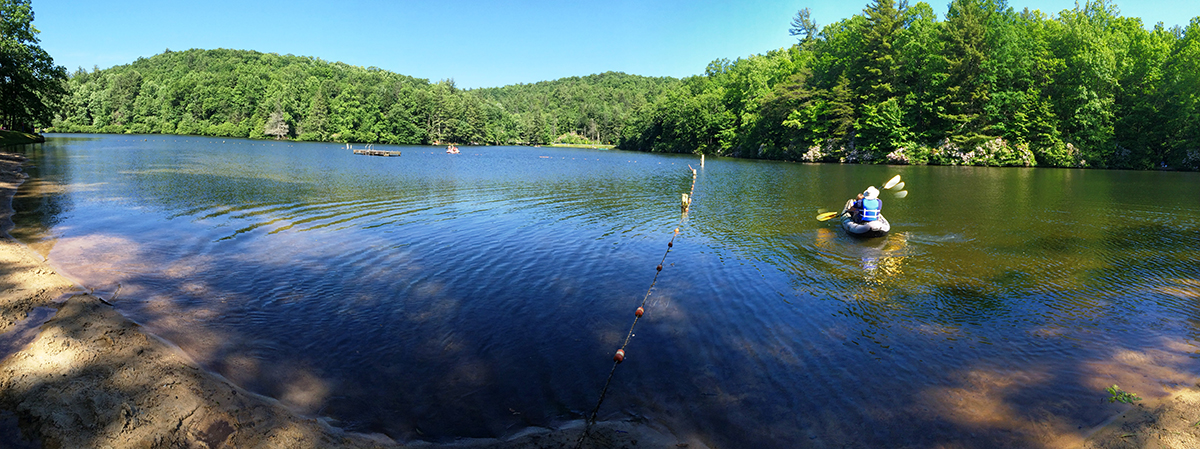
pixel 433 296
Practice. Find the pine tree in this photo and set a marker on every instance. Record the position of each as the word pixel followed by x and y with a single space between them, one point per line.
pixel 964 91
pixel 876 69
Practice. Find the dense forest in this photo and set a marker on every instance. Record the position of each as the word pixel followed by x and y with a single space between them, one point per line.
pixel 987 85
pixel 594 108
pixel 235 93
pixel 983 84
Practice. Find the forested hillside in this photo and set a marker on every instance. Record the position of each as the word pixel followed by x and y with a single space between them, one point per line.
pixel 235 93
pixel 985 85
pixel 595 106
pixel 981 84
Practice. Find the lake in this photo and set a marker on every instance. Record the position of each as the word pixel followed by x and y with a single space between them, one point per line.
pixel 432 296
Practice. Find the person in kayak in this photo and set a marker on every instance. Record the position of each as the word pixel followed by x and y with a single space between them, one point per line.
pixel 867 206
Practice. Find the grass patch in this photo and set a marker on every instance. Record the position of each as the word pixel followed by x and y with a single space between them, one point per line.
pixel 18 138
pixel 1121 396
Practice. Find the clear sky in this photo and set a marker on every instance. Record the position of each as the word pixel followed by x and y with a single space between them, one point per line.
pixel 477 43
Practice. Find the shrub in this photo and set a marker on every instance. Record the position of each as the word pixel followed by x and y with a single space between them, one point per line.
pixel 813 154
pixel 1192 160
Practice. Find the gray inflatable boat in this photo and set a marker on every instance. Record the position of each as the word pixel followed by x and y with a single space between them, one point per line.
pixel 868 229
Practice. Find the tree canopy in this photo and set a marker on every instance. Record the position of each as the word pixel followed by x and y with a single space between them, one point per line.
pixel 986 85
pixel 30 83
pixel 236 93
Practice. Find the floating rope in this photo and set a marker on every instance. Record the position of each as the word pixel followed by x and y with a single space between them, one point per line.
pixel 637 314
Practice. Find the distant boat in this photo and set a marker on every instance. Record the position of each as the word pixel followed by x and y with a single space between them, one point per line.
pixel 452 149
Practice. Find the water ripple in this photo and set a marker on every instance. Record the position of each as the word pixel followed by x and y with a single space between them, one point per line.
pixel 432 295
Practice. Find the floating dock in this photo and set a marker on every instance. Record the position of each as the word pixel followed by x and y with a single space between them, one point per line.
pixel 377 153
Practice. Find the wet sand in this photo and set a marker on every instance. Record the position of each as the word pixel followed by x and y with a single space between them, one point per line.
pixel 76 373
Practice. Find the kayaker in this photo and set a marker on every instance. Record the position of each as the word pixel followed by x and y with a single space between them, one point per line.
pixel 867 206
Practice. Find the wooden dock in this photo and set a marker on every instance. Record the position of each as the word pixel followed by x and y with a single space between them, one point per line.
pixel 377 153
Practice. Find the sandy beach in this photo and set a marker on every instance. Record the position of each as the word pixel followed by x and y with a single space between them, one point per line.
pixel 76 373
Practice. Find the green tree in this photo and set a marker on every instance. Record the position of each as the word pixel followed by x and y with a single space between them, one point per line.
pixel 30 84
pixel 918 53
pixel 964 90
pixel 1091 50
pixel 1181 98
pixel 1142 117
pixel 875 71
pixel 316 121
pixel 840 112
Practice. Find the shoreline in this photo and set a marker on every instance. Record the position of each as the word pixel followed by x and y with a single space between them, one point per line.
pixel 8 138
pixel 582 145
pixel 4 143
pixel 74 372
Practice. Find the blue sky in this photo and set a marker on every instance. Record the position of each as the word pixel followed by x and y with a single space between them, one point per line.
pixel 477 43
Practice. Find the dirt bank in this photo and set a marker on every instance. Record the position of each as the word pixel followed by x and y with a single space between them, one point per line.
pixel 76 373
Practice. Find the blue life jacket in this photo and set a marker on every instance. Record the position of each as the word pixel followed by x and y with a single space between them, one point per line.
pixel 871 208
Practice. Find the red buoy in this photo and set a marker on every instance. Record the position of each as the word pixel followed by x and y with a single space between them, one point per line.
pixel 670 244
pixel 639 312
pixel 660 267
pixel 619 356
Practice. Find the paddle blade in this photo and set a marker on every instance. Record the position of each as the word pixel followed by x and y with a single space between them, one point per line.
pixel 901 194
pixel 828 215
pixel 900 186
pixel 892 182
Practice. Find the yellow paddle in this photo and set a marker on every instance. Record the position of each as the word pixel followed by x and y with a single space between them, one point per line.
pixel 828 215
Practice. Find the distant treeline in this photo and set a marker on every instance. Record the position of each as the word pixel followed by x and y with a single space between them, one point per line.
pixel 235 93
pixel 984 85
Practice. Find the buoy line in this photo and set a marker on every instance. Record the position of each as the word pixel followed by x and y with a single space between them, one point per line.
pixel 619 356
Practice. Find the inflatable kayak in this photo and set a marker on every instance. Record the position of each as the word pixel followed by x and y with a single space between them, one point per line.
pixel 867 229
